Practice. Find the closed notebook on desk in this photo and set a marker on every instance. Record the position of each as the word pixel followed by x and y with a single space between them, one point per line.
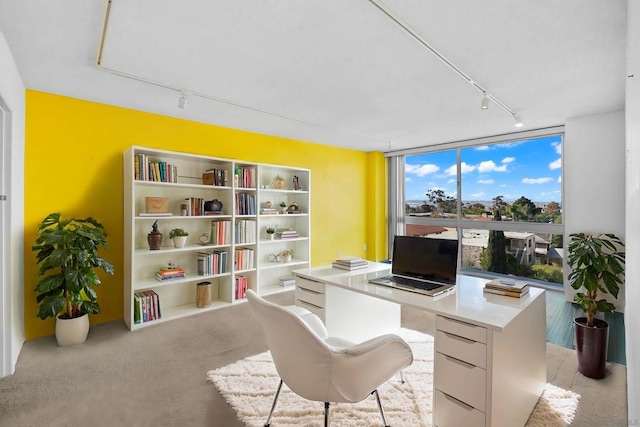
pixel 422 265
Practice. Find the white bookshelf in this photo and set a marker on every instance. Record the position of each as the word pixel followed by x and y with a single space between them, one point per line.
pixel 178 296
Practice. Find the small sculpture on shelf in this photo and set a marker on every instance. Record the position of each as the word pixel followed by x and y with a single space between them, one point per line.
pixel 278 182
pixel 154 238
pixel 295 185
pixel 213 207
pixel 293 208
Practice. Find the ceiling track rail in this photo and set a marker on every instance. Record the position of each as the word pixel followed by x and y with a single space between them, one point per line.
pixel 181 90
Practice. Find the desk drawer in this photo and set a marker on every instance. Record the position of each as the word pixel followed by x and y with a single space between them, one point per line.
pixel 450 412
pixel 318 311
pixel 461 380
pixel 310 296
pixel 311 285
pixel 462 348
pixel 462 329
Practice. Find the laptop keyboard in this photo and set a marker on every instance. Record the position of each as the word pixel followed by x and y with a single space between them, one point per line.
pixel 419 284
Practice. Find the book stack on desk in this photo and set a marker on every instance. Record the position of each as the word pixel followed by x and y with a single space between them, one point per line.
pixel 350 263
pixel 507 287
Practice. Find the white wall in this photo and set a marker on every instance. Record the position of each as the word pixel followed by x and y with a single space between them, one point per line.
pixel 12 92
pixel 594 180
pixel 632 317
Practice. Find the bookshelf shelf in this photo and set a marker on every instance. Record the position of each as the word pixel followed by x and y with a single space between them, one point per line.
pixel 243 193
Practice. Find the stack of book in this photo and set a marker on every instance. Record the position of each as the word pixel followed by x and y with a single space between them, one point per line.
pixel 287 281
pixel 350 263
pixel 286 233
pixel 170 273
pixel 146 307
pixel 508 287
pixel 268 211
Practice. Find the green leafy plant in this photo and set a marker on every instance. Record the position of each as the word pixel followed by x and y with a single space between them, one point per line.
pixel 271 230
pixel 67 253
pixel 283 205
pixel 177 232
pixel 287 252
pixel 597 264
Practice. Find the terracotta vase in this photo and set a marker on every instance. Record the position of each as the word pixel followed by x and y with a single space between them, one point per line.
pixel 154 239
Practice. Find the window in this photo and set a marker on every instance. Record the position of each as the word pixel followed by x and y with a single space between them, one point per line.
pixel 500 197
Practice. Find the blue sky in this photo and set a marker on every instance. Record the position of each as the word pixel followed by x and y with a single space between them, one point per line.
pixel 531 168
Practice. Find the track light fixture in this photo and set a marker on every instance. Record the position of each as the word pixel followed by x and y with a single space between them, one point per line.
pixel 518 120
pixel 485 102
pixel 183 100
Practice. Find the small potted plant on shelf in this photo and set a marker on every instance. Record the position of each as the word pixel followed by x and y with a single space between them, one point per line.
pixel 286 255
pixel 270 232
pixel 179 237
pixel 597 264
pixel 67 253
pixel 283 206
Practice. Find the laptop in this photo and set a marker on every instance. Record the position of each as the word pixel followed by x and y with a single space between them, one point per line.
pixel 422 265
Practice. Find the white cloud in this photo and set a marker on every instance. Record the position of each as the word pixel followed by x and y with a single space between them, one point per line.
pixel 407 179
pixel 477 195
pixel 556 164
pixel 482 148
pixel 451 181
pixel 560 179
pixel 422 170
pixel 485 181
pixel 558 147
pixel 464 168
pixel 536 180
pixel 490 166
pixel 507 160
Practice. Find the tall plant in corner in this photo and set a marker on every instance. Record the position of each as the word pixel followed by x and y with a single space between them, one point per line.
pixel 67 253
pixel 597 264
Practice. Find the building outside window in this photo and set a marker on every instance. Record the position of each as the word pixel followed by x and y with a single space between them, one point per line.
pixel 501 198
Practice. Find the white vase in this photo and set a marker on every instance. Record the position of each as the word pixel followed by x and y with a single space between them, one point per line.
pixel 72 331
pixel 179 241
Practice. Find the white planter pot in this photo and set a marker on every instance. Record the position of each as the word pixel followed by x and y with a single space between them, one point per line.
pixel 72 331
pixel 179 241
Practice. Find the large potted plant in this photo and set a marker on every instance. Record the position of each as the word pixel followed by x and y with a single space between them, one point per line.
pixel 67 254
pixel 597 267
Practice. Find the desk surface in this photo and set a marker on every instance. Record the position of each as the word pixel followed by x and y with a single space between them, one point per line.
pixel 466 303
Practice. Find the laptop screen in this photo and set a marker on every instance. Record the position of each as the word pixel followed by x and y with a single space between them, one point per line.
pixel 425 258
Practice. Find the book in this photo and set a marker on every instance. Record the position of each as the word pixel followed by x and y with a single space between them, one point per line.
pixel 507 285
pixel 350 267
pixel 287 281
pixel 155 214
pixel 506 293
pixel 348 260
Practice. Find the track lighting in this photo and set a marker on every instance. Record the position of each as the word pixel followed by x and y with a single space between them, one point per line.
pixel 485 102
pixel 183 101
pixel 413 33
pixel 518 120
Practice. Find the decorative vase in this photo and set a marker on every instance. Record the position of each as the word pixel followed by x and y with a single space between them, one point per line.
pixel 286 258
pixel 270 236
pixel 72 331
pixel 179 241
pixel 591 347
pixel 154 238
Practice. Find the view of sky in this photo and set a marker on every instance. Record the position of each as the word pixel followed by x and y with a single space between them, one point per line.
pixel 531 168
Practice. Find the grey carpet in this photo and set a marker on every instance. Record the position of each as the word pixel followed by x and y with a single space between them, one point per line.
pixel 157 376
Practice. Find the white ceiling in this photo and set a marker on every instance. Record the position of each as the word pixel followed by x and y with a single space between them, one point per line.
pixel 331 71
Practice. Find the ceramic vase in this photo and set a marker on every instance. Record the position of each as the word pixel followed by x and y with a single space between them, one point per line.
pixel 179 241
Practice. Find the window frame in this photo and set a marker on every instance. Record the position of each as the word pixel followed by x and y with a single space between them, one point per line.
pixel 396 161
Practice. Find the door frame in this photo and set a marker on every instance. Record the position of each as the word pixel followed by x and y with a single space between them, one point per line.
pixel 6 326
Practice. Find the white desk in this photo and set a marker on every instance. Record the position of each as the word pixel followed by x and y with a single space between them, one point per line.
pixel 490 350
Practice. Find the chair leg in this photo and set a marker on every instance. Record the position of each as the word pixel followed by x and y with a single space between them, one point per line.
pixel 384 419
pixel 402 376
pixel 326 414
pixel 273 406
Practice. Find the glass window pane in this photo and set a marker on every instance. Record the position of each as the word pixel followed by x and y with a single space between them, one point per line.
pixel 525 254
pixel 431 185
pixel 521 179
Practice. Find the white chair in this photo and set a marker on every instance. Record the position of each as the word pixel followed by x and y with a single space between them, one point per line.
pixel 325 369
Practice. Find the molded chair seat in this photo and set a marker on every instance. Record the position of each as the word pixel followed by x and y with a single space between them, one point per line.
pixel 322 368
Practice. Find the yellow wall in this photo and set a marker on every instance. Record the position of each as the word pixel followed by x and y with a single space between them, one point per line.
pixel 73 165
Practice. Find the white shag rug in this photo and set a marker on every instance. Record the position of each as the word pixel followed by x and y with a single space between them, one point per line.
pixel 250 384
